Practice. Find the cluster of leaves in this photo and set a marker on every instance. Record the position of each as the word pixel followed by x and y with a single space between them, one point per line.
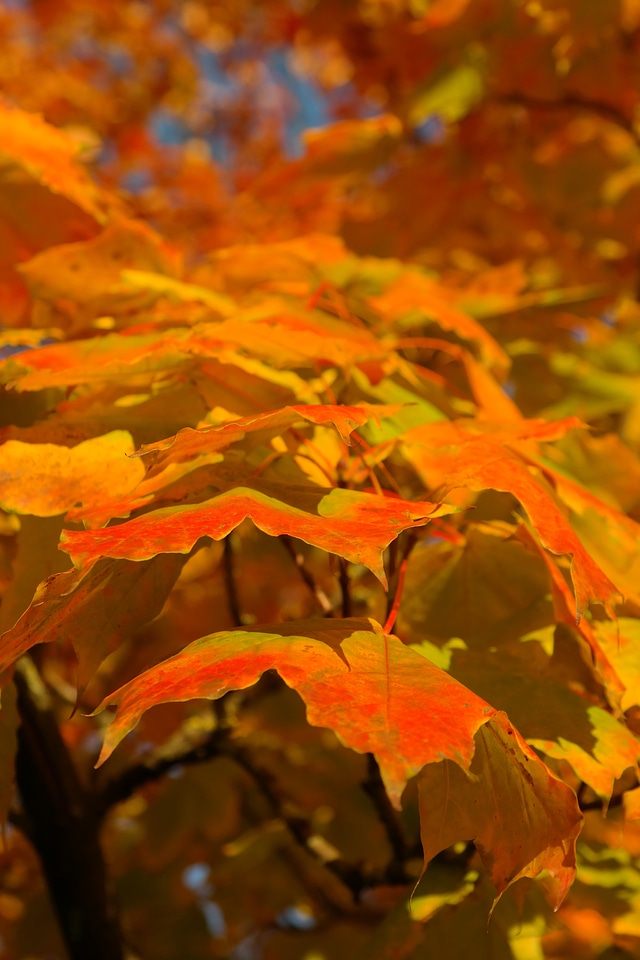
pixel 319 481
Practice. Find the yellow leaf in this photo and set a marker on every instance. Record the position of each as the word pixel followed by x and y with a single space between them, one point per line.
pixel 44 479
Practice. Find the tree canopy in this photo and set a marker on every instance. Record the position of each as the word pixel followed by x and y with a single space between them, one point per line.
pixel 320 479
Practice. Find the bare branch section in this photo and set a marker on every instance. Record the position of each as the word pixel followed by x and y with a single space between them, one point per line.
pixel 345 587
pixel 298 558
pixel 348 880
pixel 571 101
pixel 374 787
pixel 233 600
pixel 64 826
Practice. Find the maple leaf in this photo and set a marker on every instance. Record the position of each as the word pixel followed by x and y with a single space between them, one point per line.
pixel 515 839
pixel 380 697
pixel 97 608
pixel 49 156
pixel 354 525
pixel 191 449
pixel 374 692
pixel 456 456
pixel 90 273
pixel 415 296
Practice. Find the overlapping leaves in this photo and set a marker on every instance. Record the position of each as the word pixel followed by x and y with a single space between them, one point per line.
pixel 314 403
pixel 380 697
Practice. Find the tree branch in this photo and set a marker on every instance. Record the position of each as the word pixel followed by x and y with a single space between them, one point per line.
pixel 298 827
pixel 318 593
pixel 345 587
pixel 571 101
pixel 352 880
pixel 125 785
pixel 374 787
pixel 233 601
pixel 63 825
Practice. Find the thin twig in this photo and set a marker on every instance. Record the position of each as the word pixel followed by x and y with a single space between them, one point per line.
pixel 298 558
pixel 298 827
pixel 393 613
pixel 122 787
pixel 571 101
pixel 220 744
pixel 230 582
pixel 374 787
pixel 345 587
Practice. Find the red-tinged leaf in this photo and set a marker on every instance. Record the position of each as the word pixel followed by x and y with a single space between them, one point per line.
pixel 611 537
pixel 518 434
pixel 414 297
pixel 95 360
pixel 197 444
pixel 356 526
pixel 243 267
pixel 49 156
pixel 285 342
pixel 97 609
pixel 566 611
pixel 449 454
pixel 375 693
pixel 520 817
pixel 43 479
pixel 189 443
pixel 485 467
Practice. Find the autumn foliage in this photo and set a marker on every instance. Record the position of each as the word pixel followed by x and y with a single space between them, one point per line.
pixel 320 479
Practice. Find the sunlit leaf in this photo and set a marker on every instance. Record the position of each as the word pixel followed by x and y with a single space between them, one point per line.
pixel 450 97
pixel 44 479
pixel 479 463
pixel 49 156
pixel 356 526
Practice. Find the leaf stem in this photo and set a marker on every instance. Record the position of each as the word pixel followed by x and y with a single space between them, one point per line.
pixel 396 577
pixel 342 896
pixel 395 606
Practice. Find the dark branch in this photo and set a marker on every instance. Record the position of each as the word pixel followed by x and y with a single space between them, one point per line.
pixel 345 587
pixel 318 593
pixel 571 101
pixel 298 827
pixel 233 601
pixel 63 825
pixel 374 787
pixel 352 879
pixel 131 780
